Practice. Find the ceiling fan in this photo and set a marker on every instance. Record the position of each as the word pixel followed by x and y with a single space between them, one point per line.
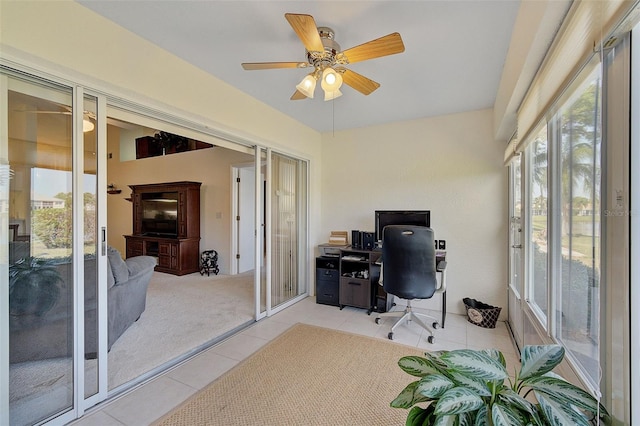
pixel 88 119
pixel 327 60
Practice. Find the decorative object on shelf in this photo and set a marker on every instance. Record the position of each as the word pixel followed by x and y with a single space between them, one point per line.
pixel 209 262
pixel 468 387
pixel 112 189
pixel 169 141
pixel 164 143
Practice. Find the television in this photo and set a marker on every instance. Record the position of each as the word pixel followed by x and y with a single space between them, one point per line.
pixel 400 217
pixel 160 214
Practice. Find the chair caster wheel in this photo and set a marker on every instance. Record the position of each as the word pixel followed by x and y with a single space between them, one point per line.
pixel 378 320
pixel 390 336
pixel 431 339
pixel 436 325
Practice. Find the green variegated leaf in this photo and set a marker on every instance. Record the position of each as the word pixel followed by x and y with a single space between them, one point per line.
pixel 538 360
pixel 559 414
pixel 433 386
pixel 563 392
pixel 482 416
pixel 419 416
pixel 478 386
pixel 434 360
pixel 458 400
pixel 416 366
pixel 446 420
pixel 509 397
pixel 406 398
pixel 474 364
pixel 496 355
pixel 504 415
pixel 466 419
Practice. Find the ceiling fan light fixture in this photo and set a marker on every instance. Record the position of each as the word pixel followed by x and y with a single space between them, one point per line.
pixel 87 125
pixel 307 86
pixel 329 96
pixel 331 80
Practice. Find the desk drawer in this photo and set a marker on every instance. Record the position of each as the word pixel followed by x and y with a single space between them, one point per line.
pixel 327 292
pixel 355 292
pixel 327 274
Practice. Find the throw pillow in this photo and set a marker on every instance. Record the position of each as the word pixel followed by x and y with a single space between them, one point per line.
pixel 118 266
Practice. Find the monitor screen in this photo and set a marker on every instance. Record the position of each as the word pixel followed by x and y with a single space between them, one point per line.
pixel 401 217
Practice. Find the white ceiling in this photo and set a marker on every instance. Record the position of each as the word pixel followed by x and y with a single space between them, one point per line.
pixel 453 60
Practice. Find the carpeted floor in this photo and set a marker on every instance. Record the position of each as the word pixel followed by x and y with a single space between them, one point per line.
pixel 307 376
pixel 182 313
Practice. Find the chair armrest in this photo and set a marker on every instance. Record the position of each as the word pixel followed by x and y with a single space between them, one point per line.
pixel 442 268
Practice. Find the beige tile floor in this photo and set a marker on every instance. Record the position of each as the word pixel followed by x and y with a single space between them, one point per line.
pixel 150 401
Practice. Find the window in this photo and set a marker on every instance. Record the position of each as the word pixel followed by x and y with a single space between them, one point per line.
pixel 538 223
pixel 577 292
pixel 564 203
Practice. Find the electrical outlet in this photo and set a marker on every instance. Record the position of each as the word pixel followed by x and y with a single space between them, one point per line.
pixel 442 245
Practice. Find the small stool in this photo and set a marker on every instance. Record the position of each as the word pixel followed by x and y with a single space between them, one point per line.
pixel 209 262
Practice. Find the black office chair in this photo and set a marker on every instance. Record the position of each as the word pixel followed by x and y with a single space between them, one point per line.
pixel 409 271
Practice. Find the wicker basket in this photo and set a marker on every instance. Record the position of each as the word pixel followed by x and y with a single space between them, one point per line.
pixel 481 314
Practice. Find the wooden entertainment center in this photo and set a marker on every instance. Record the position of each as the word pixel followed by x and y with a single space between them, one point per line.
pixel 166 225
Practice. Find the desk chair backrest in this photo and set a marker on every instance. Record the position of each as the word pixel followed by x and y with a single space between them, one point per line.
pixel 409 261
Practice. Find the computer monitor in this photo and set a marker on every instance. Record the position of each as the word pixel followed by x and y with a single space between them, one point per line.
pixel 400 217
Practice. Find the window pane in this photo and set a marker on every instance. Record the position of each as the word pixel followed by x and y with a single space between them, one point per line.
pixel 41 339
pixel 538 190
pixel 578 294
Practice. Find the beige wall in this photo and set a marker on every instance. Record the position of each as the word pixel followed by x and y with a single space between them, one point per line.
pixel 68 41
pixel 210 166
pixel 449 165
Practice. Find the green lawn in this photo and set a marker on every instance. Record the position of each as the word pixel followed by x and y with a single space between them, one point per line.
pixel 582 244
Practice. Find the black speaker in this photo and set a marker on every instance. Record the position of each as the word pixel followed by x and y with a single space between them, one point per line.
pixel 368 240
pixel 356 239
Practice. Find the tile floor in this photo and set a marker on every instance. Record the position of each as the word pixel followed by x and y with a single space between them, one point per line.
pixel 150 401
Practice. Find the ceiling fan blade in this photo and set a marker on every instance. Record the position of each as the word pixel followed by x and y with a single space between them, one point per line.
pixel 383 46
pixel 249 66
pixel 298 95
pixel 35 111
pixel 305 27
pixel 359 82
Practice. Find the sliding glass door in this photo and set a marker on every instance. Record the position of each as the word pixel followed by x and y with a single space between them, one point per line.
pixel 516 281
pixel 41 269
pixel 284 202
pixel 288 228
pixel 49 251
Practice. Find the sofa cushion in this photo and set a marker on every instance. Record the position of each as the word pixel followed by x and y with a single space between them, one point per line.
pixel 111 280
pixel 140 264
pixel 118 266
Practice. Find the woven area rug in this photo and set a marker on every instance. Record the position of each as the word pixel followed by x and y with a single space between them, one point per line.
pixel 307 376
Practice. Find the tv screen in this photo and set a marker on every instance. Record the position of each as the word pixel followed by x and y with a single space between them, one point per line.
pixel 160 214
pixel 400 217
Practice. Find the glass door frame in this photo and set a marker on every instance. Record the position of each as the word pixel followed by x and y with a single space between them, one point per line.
pixel 516 263
pixel 78 402
pixel 263 279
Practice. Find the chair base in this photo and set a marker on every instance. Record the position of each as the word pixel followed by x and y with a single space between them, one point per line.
pixel 409 315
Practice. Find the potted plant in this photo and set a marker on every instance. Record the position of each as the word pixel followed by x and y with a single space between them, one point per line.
pixel 33 286
pixel 467 387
